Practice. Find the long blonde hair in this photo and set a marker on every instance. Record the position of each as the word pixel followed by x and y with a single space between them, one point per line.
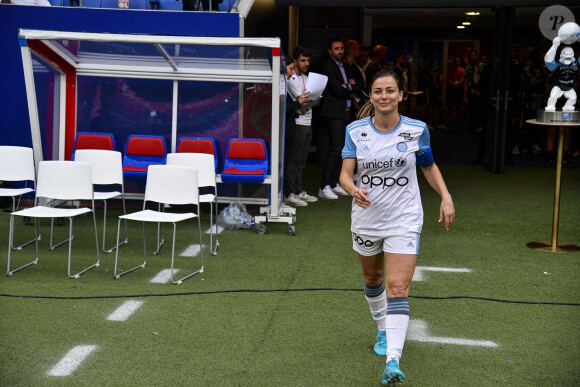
pixel 368 109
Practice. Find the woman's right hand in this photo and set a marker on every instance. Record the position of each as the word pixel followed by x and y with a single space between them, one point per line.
pixel 360 198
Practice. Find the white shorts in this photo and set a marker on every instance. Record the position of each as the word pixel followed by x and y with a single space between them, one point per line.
pixel 407 243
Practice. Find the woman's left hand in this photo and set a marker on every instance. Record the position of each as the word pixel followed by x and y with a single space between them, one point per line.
pixel 447 211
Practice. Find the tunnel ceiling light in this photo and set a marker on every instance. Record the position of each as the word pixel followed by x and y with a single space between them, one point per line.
pixel 466 23
pixel 472 13
pixel 460 27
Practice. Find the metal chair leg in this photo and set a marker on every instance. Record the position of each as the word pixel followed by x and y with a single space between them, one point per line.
pixel 105 250
pixel 51 246
pixel 160 232
pixel 30 241
pixel 71 225
pixel 179 281
pixel 11 242
pixel 213 249
pixel 118 275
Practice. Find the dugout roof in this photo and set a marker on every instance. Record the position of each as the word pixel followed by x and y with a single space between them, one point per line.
pixel 224 59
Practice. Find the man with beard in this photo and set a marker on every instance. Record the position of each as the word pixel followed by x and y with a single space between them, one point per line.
pixel 298 142
pixel 336 111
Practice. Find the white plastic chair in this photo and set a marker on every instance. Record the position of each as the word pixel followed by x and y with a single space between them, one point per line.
pixel 107 169
pixel 17 164
pixel 166 184
pixel 204 163
pixel 59 180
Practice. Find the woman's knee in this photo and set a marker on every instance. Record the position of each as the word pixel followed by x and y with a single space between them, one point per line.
pixel 374 278
pixel 397 288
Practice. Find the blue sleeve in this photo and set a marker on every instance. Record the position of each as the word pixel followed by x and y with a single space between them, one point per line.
pixel 424 154
pixel 349 149
pixel 551 65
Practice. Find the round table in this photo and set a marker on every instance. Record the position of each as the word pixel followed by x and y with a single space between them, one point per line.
pixel 554 246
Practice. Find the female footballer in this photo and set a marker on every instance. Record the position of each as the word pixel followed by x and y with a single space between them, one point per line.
pixel 387 215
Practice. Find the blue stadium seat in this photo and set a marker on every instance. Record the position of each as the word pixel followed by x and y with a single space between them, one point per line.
pixel 139 4
pixel 58 3
pixel 198 144
pixel 92 3
pixel 246 161
pixel 94 140
pixel 142 151
pixel 226 5
pixel 170 5
pixel 110 4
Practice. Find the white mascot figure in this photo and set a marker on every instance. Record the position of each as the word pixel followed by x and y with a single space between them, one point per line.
pixel 566 72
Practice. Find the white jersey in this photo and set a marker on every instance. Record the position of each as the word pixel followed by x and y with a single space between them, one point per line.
pixel 387 169
pixel 296 85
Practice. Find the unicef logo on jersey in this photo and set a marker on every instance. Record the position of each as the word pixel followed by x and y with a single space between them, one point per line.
pixel 402 147
pixel 377 164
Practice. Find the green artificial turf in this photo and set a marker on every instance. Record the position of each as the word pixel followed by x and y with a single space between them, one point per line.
pixel 316 337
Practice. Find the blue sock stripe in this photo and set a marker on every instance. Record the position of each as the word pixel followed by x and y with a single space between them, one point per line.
pixel 374 291
pixel 398 311
pixel 399 299
pixel 398 305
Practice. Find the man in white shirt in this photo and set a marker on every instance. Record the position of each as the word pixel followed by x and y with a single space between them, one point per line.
pixel 298 142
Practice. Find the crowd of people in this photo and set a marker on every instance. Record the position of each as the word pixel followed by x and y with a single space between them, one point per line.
pixel 460 101
pixel 349 67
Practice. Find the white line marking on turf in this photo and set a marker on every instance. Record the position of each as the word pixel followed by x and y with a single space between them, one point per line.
pixel 71 360
pixel 215 227
pixel 123 312
pixel 418 276
pixel 163 277
pixel 191 251
pixel 418 332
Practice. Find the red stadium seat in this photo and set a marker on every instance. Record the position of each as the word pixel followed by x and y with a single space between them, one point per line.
pixel 142 151
pixel 94 140
pixel 246 161
pixel 198 145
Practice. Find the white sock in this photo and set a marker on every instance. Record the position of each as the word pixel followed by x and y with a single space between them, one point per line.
pixel 397 322
pixel 377 299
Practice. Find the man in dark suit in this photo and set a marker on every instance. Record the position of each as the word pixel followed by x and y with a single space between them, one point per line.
pixel 352 50
pixel 335 110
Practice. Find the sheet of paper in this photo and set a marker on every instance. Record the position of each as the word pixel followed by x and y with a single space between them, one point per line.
pixel 311 103
pixel 315 85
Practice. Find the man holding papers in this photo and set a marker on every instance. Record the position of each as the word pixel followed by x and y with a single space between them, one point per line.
pixel 298 142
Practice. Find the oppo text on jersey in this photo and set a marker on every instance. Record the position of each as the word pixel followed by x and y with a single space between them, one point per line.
pixel 384 182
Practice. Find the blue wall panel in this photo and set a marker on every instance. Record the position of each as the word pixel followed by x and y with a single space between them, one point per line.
pixel 15 125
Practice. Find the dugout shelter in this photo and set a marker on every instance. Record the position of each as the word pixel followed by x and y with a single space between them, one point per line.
pixel 183 86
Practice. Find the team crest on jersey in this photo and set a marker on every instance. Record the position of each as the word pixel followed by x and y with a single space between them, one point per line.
pixel 400 162
pixel 406 136
pixel 402 147
pixel 364 137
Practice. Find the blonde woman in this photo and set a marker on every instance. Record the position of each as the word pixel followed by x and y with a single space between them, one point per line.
pixel 387 215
